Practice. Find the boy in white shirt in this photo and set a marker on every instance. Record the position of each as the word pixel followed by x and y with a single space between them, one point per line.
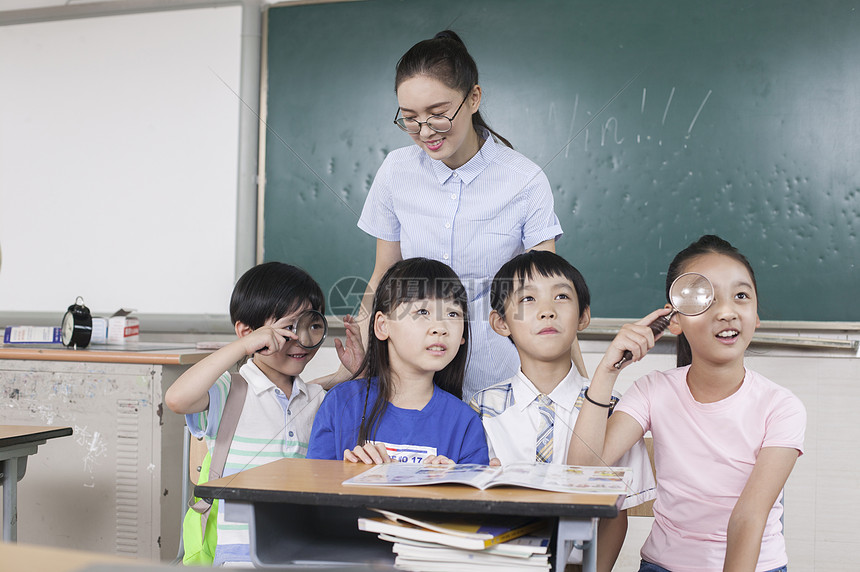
pixel 279 408
pixel 540 301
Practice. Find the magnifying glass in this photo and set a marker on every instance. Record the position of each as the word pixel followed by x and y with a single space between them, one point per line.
pixel 310 328
pixel 690 294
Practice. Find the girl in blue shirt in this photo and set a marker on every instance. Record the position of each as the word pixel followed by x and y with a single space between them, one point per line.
pixel 460 194
pixel 408 408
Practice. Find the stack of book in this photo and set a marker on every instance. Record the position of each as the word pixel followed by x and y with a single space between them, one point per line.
pixel 481 542
pixel 423 543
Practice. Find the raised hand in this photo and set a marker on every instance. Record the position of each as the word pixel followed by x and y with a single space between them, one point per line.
pixel 351 354
pixel 269 338
pixel 637 338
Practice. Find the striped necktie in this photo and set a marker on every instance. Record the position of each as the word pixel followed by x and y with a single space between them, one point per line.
pixel 543 445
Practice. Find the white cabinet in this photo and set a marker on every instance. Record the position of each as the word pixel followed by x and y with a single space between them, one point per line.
pixel 114 486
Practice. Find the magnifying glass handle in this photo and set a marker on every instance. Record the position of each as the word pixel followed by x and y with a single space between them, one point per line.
pixel 657 326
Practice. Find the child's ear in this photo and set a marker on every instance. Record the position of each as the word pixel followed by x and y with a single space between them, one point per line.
pixel 497 322
pixel 242 329
pixel 584 319
pixel 674 324
pixel 380 326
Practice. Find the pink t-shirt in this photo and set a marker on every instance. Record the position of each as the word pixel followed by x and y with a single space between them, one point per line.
pixel 704 454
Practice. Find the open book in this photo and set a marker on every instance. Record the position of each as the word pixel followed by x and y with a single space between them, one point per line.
pixel 544 476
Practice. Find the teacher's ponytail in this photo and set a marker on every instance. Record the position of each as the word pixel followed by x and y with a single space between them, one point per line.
pixel 445 58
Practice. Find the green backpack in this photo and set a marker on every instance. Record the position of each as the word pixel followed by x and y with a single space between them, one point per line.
pixel 199 531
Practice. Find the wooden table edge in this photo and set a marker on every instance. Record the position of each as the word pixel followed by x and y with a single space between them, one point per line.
pixel 37 433
pixel 129 355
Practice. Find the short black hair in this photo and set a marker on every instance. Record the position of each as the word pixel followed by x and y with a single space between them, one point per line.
pixel 524 266
pixel 273 290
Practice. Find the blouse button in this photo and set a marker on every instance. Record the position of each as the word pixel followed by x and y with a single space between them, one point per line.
pixel 445 256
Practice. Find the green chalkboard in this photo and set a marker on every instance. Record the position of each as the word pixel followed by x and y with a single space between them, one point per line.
pixel 655 122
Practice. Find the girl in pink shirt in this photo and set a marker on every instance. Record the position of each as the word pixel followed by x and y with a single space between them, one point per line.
pixel 725 437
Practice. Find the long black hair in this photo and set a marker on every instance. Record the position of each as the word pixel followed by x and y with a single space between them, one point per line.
pixel 445 58
pixel 707 244
pixel 407 281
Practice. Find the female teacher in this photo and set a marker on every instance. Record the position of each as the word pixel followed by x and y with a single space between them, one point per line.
pixel 460 195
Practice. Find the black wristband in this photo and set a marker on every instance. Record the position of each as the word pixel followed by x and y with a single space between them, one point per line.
pixel 604 405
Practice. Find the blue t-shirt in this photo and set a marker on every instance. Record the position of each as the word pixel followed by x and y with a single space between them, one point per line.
pixel 446 425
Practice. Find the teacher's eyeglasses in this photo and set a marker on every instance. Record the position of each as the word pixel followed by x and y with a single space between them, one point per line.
pixel 438 123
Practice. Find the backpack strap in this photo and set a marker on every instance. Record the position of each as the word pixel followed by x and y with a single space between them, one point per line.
pixel 227 427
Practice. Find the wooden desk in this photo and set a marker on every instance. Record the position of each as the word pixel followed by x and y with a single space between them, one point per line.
pixel 121 473
pixel 155 353
pixel 32 558
pixel 17 442
pixel 289 506
pixel 29 558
